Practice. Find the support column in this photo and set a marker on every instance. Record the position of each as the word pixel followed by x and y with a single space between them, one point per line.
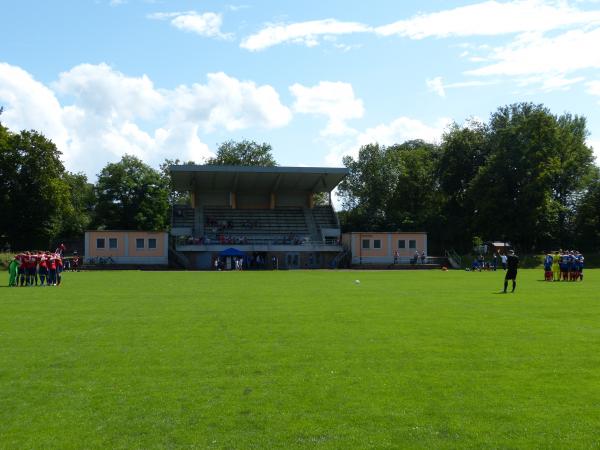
pixel 273 200
pixel 198 230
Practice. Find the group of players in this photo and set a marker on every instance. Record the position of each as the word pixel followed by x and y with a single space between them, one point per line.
pixel 563 265
pixel 31 268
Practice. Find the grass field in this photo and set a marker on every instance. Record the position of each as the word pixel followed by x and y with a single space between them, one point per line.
pixel 411 359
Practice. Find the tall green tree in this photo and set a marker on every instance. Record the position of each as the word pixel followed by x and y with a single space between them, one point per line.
pixel 243 153
pixel 464 151
pixel 78 215
pixel 368 188
pixel 131 195
pixel 519 191
pixel 587 221
pixel 415 200
pixel 33 194
pixel 573 170
pixel 391 188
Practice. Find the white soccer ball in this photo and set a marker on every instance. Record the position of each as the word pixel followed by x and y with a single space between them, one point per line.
pixel 356 281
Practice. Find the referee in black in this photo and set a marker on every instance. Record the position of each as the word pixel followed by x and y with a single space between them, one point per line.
pixel 512 264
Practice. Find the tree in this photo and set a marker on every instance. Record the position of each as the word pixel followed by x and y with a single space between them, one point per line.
pixel 33 194
pixel 131 195
pixel 175 197
pixel 587 221
pixel 78 216
pixel 243 153
pixel 520 191
pixel 464 150
pixel 367 189
pixel 390 188
pixel 572 173
pixel 415 201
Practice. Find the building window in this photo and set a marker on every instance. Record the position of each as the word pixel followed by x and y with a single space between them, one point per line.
pixel 152 243
pixel 377 243
pixel 412 243
pixel 112 242
pixel 139 244
pixel 401 243
pixel 366 243
pixel 100 243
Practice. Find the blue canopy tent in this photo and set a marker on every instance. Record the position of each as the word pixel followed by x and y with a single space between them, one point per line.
pixel 233 253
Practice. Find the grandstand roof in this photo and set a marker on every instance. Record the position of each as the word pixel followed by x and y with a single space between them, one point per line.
pixel 263 179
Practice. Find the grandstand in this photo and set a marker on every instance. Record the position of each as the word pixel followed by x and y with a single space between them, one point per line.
pixel 266 214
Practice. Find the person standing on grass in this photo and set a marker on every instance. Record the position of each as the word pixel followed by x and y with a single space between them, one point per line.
pixel 503 258
pixel 51 270
pixel 21 269
pixel 13 269
pixel 59 269
pixel 556 267
pixel 580 259
pixel 43 271
pixel 512 264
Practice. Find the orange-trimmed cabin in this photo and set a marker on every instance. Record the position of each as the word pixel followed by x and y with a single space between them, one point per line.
pixel 376 247
pixel 127 247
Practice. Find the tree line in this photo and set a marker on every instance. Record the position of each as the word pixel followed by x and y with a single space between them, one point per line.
pixel 526 177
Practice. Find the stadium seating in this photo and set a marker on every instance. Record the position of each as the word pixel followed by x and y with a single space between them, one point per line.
pixel 283 225
pixel 183 217
pixel 325 217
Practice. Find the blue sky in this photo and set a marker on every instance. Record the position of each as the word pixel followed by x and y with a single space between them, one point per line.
pixel 173 79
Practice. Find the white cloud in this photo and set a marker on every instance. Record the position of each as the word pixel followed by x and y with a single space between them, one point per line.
pixel 533 53
pixel 236 8
pixel 436 85
pixel 403 129
pixel 28 104
pixel 206 24
pixel 593 87
pixel 335 100
pixel 307 33
pixel 491 18
pixel 488 18
pixel 229 103
pixel 559 82
pixel 103 114
pixel 101 90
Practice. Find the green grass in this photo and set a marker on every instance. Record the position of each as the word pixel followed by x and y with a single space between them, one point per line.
pixel 411 359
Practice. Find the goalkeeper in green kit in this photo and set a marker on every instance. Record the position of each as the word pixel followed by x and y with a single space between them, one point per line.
pixel 13 268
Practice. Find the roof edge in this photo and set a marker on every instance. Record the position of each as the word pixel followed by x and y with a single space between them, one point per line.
pixel 256 169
